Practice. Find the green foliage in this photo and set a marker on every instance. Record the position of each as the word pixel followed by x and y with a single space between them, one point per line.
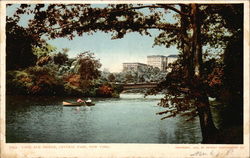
pixel 129 78
pixel 87 66
pixel 18 82
pixel 19 44
pixel 60 58
pixel 213 78
pixel 80 18
pixel 181 94
pixel 111 77
pixel 38 71
pixel 44 60
pixel 117 88
pixel 56 74
pixel 45 81
pixel 44 50
pixel 72 90
pixel 142 74
pixel 105 91
pixel 33 80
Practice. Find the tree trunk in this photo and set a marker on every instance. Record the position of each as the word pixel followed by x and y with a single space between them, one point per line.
pixel 186 47
pixel 208 129
pixel 202 103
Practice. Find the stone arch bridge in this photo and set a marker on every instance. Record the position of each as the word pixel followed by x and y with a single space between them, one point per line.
pixel 129 86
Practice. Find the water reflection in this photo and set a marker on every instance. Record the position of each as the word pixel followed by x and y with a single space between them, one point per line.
pixel 129 119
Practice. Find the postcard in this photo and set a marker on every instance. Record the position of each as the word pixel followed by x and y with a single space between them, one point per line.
pixel 124 79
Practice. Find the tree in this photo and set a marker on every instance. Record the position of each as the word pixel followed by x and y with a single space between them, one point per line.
pixel 43 54
pixel 144 74
pixel 233 64
pixel 198 25
pixel 60 58
pixel 87 66
pixel 111 77
pixel 129 78
pixel 20 42
pixel 193 84
pixel 43 51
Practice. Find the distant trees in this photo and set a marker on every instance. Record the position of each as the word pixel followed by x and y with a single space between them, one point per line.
pixel 44 50
pixel 129 78
pixel 60 58
pixel 144 74
pixel 105 91
pixel 87 66
pixel 111 77
pixel 53 73
pixel 149 74
pixel 86 71
pixel 34 80
pixel 57 74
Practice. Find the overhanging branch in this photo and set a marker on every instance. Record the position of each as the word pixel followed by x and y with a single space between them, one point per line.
pixel 167 6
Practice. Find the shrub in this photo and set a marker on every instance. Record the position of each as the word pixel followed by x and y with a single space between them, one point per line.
pixel 33 80
pixel 72 90
pixel 105 91
pixel 18 82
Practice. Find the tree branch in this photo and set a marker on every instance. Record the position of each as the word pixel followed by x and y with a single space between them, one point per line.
pixel 191 118
pixel 189 113
pixel 163 112
pixel 172 115
pixel 160 27
pixel 167 6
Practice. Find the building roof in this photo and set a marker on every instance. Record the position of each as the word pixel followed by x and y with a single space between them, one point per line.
pixel 150 56
pixel 135 63
pixel 173 56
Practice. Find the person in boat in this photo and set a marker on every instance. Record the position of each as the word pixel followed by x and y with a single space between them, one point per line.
pixel 79 100
pixel 89 100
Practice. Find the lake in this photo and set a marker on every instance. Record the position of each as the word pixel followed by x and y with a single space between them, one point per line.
pixel 128 119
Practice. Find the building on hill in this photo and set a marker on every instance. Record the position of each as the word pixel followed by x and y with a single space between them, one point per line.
pixel 159 61
pixel 133 66
pixel 171 59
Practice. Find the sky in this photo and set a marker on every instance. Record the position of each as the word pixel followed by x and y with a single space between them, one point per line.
pixel 112 53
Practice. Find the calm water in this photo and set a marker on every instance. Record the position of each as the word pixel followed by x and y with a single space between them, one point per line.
pixel 129 119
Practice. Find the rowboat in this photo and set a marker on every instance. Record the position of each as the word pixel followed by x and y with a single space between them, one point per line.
pixel 66 103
